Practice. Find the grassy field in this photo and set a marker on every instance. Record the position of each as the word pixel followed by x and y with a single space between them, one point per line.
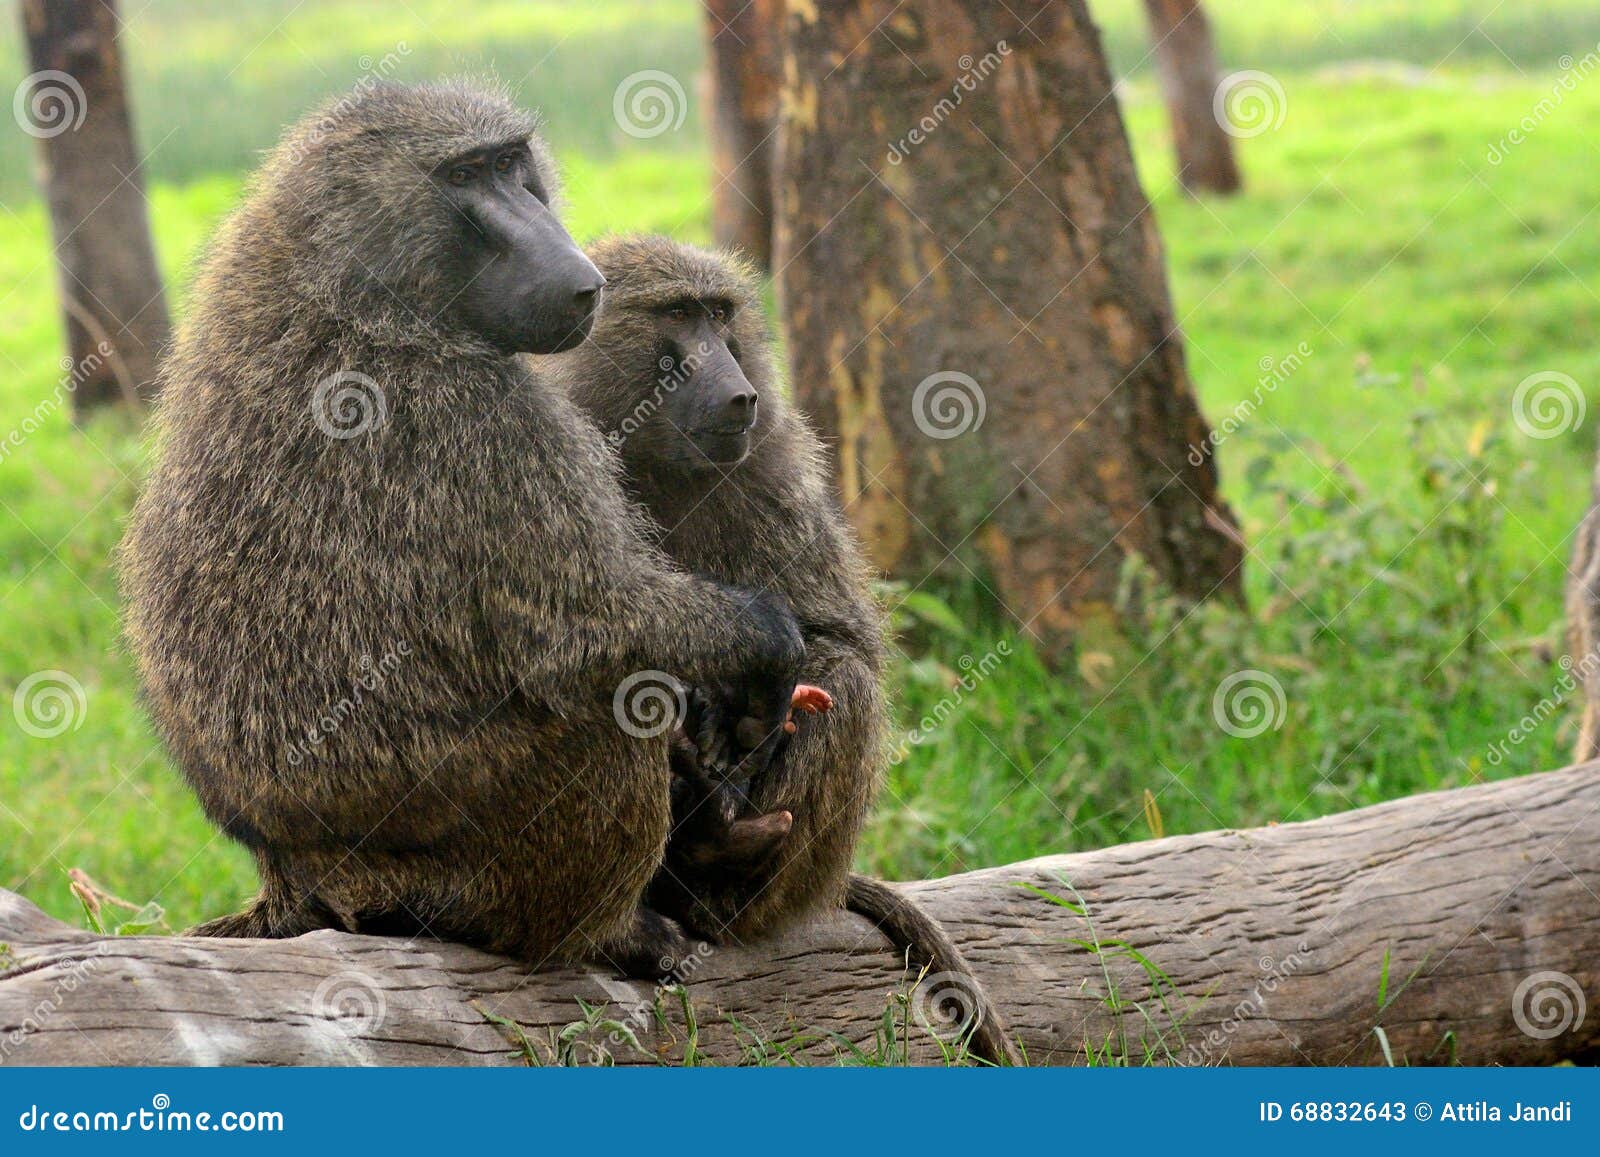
pixel 1407 537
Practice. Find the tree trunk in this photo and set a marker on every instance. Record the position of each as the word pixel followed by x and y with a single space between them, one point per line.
pixel 77 106
pixel 1461 923
pixel 976 307
pixel 746 65
pixel 1188 66
pixel 1583 623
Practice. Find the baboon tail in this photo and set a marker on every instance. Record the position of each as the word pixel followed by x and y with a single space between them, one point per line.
pixel 271 916
pixel 909 926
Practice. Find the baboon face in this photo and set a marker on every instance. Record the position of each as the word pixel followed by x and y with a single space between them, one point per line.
pixel 525 285
pixel 701 406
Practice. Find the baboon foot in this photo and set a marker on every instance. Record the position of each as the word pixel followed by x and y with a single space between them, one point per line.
pixel 271 919
pixel 654 948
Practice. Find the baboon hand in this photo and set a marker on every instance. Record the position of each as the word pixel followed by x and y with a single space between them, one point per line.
pixel 810 700
pixel 709 836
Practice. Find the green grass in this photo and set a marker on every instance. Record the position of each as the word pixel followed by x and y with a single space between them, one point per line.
pixel 1406 571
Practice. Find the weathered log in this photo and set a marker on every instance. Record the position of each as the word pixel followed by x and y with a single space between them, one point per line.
pixel 1463 924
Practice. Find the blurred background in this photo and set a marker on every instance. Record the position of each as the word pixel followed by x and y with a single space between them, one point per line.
pixel 1390 325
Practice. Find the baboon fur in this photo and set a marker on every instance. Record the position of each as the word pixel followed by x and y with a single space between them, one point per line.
pixel 770 522
pixel 481 788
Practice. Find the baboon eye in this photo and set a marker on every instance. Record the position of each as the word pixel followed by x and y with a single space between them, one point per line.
pixel 719 312
pixel 505 162
pixel 462 175
pixel 677 312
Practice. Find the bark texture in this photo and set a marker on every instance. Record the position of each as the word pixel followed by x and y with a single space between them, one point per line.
pixel 1478 904
pixel 1187 62
pixel 976 306
pixel 112 297
pixel 1583 622
pixel 745 67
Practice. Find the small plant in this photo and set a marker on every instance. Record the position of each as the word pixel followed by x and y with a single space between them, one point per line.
pixel 1159 1039
pixel 97 902
pixel 586 1041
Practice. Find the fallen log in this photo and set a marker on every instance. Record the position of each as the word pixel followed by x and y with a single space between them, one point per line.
pixel 1459 926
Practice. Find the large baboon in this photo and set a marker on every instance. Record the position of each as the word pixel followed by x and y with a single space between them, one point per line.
pixel 679 375
pixel 382 589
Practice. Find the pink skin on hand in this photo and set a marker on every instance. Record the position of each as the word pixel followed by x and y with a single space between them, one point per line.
pixel 809 699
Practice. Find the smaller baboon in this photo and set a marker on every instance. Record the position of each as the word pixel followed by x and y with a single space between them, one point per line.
pixel 678 374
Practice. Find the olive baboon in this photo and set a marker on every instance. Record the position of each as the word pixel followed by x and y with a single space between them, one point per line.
pixel 353 462
pixel 679 375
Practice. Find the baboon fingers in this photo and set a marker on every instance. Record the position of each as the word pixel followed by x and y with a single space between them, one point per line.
pixel 810 699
